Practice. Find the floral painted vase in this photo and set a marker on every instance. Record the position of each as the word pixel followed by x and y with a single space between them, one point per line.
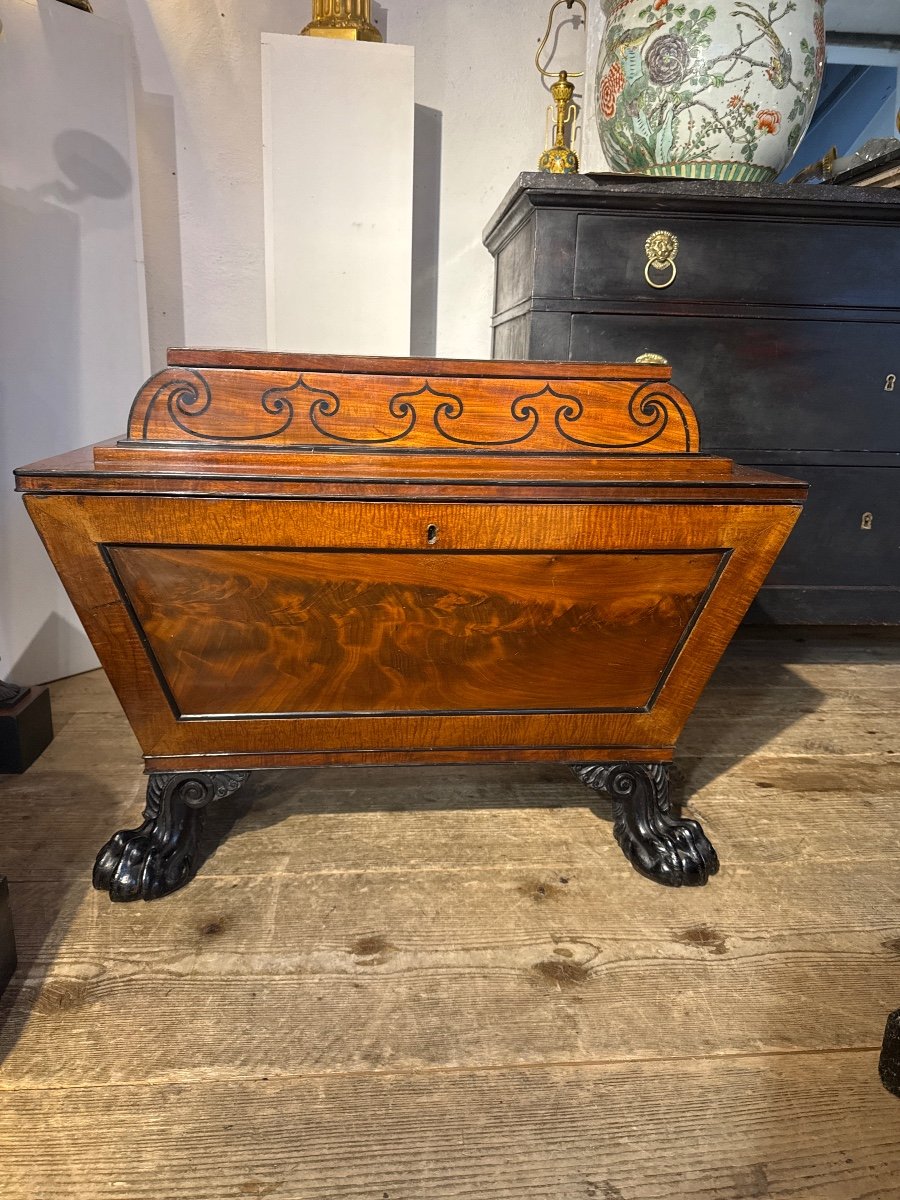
pixel 720 91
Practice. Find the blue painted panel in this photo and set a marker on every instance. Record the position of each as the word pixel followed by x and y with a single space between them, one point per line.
pixel 851 98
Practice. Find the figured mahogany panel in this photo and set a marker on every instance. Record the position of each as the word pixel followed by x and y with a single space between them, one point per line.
pixel 626 411
pixel 275 632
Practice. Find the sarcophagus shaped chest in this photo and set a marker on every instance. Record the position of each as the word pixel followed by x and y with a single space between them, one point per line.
pixel 296 561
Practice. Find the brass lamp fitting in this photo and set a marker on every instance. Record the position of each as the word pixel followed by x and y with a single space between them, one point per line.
pixel 348 19
pixel 560 158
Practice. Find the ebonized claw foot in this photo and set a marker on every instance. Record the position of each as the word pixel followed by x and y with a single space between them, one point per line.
pixel 670 850
pixel 161 856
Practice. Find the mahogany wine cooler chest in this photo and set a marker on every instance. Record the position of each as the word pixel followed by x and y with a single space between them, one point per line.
pixel 295 561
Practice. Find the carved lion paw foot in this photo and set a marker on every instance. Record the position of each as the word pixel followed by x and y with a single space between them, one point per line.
pixel 673 852
pixel 145 864
pixel 670 850
pixel 162 855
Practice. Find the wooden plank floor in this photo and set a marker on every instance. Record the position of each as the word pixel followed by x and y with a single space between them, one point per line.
pixel 402 984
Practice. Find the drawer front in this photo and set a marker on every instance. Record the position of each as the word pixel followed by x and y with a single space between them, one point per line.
pixel 761 383
pixel 849 534
pixel 742 261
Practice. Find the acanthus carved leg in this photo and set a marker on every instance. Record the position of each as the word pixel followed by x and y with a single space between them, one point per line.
pixel 671 850
pixel 161 856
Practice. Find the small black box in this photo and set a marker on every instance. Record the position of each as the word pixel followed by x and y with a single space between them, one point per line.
pixel 26 730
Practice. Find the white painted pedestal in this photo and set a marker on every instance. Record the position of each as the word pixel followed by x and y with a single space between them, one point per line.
pixel 338 161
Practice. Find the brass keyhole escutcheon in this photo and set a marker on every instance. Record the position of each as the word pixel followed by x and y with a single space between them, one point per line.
pixel 867 520
pixel 431 535
pixel 662 249
pixel 890 383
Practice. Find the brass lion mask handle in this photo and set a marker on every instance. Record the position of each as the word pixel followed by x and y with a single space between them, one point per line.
pixel 662 248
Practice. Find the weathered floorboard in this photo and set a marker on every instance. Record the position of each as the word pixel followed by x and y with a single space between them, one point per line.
pixel 448 983
pixel 469 969
pixel 786 1127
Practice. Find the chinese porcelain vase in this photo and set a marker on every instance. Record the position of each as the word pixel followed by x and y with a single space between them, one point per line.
pixel 718 91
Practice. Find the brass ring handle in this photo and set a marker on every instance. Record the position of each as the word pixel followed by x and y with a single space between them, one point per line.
pixel 661 248
pixel 661 266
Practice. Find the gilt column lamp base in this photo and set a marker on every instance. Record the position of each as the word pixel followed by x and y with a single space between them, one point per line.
pixel 350 20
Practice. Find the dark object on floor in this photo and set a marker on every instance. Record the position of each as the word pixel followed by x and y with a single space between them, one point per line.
pixel 10 694
pixel 26 729
pixel 7 939
pixel 302 560
pixel 889 1063
pixel 787 293
pixel 82 4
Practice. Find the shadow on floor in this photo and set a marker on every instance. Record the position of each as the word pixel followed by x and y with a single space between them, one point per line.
pixel 754 697
pixel 42 914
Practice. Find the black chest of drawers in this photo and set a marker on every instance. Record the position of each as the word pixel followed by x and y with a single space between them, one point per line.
pixel 790 294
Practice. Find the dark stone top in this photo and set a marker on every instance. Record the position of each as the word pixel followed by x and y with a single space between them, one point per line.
pixel 812 201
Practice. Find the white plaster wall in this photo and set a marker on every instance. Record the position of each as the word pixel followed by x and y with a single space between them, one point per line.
pixel 863 16
pixel 480 120
pixel 72 319
pixel 199 114
pixel 593 158
pixel 475 66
